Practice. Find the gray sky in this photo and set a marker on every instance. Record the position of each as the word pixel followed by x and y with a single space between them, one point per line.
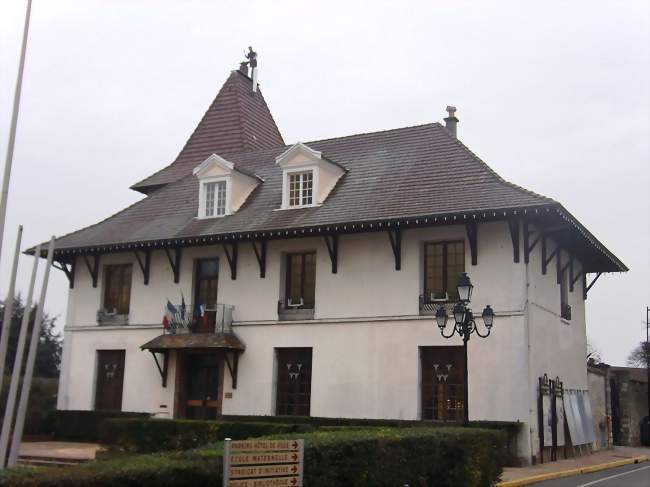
pixel 553 95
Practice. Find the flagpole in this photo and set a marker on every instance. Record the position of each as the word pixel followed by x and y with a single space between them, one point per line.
pixel 9 308
pixel 31 359
pixel 18 362
pixel 12 130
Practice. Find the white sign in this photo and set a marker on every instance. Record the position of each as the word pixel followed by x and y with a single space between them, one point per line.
pixel 263 463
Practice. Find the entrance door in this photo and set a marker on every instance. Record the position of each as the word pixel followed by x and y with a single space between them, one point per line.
pixel 203 394
pixel 443 378
pixel 110 380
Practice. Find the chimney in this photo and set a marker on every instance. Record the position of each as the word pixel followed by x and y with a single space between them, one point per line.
pixel 451 121
pixel 243 68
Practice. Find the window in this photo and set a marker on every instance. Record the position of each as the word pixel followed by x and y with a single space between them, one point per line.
pixel 117 288
pixel 301 188
pixel 206 284
pixel 293 392
pixel 300 292
pixel 442 388
pixel 444 262
pixel 215 199
pixel 565 308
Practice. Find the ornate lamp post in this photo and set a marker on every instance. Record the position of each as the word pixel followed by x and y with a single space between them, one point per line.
pixel 464 325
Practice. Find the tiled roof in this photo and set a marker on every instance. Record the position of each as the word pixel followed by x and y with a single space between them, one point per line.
pixel 410 172
pixel 238 120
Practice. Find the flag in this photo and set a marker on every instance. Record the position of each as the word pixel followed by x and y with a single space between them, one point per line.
pixel 168 319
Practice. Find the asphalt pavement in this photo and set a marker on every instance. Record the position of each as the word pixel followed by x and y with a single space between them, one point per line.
pixel 635 475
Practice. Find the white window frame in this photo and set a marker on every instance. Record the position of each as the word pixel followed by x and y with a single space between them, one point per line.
pixel 203 196
pixel 286 187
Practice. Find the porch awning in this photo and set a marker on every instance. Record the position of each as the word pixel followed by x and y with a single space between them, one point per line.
pixel 227 341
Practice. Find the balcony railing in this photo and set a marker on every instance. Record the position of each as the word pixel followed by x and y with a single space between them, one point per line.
pixel 429 304
pixel 215 319
pixel 289 310
pixel 108 318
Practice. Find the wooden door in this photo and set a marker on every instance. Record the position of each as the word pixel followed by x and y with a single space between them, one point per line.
pixel 110 380
pixel 293 393
pixel 203 392
pixel 443 383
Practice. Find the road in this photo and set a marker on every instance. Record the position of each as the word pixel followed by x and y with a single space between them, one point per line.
pixel 627 476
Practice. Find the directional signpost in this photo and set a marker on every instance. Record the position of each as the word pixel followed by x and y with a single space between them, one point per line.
pixel 263 463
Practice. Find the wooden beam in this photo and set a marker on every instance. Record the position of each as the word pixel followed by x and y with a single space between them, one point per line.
pixel 231 255
pixel 175 262
pixel 591 284
pixel 558 265
pixel 162 370
pixel 575 279
pixel 68 268
pixel 232 368
pixel 526 242
pixel 261 256
pixel 547 260
pixel 332 242
pixel 395 237
pixel 145 265
pixel 93 269
pixel 513 225
pixel 472 235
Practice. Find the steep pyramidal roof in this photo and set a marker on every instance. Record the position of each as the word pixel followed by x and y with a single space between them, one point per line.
pixel 237 121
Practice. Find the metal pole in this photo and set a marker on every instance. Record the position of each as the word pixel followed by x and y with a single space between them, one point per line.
pixel 31 359
pixel 466 391
pixel 12 129
pixel 15 376
pixel 646 355
pixel 9 309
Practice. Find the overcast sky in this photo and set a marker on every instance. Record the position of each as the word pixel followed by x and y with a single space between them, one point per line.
pixel 552 95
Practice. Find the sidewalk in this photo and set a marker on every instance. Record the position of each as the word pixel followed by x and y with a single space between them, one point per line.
pixel 523 474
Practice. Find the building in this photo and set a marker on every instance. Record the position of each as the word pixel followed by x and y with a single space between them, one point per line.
pixel 310 275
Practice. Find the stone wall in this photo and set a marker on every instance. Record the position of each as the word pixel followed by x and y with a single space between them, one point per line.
pixel 629 404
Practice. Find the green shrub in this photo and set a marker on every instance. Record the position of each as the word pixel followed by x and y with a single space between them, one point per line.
pixel 84 425
pixel 164 470
pixel 154 435
pixel 377 457
pixel 388 457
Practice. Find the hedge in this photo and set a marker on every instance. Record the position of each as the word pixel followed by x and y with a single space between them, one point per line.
pixel 377 457
pixel 153 435
pixel 72 425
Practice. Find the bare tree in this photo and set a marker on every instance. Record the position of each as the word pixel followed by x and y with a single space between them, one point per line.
pixel 640 356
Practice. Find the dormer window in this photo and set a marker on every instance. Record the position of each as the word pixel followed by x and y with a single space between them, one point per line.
pixel 301 188
pixel 223 188
pixel 215 199
pixel 307 176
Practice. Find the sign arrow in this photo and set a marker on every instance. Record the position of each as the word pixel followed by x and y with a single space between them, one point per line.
pixel 294 456
pixel 293 482
pixel 294 469
pixel 294 444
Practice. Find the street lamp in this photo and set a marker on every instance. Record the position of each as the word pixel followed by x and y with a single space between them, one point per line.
pixel 464 325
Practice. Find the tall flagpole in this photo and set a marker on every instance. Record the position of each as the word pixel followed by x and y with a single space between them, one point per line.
pixel 18 362
pixel 29 366
pixel 9 308
pixel 12 131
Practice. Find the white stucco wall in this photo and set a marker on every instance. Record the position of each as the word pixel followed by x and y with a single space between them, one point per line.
pixel 365 335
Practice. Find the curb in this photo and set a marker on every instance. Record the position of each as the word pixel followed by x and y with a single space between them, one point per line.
pixel 568 473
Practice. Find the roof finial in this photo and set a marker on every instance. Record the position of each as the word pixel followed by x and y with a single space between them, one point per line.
pixel 252 62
